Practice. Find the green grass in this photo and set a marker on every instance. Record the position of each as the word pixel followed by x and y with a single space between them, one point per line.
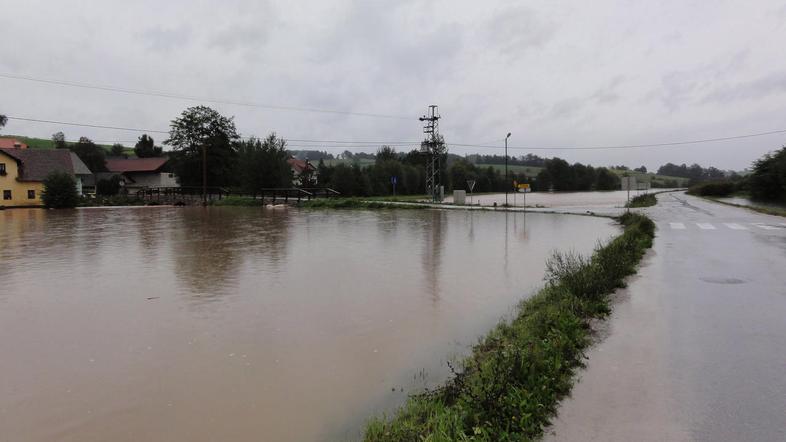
pixel 348 162
pixel 238 201
pixel 45 143
pixel 761 209
pixel 652 178
pixel 529 171
pixel 511 384
pixel 355 203
pixel 645 200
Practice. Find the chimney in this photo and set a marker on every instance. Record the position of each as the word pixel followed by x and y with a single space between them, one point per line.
pixel 17 144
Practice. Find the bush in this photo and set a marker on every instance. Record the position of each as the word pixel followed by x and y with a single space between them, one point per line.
pixel 60 191
pixel 109 187
pixel 713 188
pixel 645 200
pixel 768 180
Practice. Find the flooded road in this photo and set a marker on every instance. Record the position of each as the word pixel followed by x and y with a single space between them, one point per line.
pixel 243 324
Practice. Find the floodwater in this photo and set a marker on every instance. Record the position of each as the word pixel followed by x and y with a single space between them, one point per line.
pixel 249 324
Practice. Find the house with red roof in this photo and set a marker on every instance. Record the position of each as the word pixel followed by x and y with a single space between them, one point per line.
pixel 12 143
pixel 140 173
pixel 303 172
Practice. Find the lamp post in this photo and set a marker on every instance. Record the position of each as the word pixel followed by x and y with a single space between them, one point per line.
pixel 506 170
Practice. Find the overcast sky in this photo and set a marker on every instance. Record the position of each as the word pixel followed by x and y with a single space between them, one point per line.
pixel 581 73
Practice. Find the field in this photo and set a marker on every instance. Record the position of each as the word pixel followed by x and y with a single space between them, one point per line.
pixel 653 178
pixel 45 143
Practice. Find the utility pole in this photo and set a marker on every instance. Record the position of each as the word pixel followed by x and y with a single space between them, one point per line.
pixel 507 184
pixel 434 148
pixel 204 174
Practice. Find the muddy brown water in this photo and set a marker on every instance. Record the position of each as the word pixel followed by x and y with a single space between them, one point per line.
pixel 243 324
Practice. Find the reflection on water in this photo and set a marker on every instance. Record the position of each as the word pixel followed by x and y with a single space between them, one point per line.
pixel 249 324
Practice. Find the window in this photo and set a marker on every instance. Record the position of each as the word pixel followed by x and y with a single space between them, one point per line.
pixel 2 168
pixel 31 194
pixel 6 194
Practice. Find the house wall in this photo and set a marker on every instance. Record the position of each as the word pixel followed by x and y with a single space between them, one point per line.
pixel 18 188
pixel 151 179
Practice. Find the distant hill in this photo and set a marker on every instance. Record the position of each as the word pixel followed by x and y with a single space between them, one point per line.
pixel 45 143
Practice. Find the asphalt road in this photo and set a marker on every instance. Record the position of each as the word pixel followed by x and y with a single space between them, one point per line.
pixel 696 346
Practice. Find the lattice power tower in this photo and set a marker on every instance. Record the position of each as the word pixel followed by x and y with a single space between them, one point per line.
pixel 434 149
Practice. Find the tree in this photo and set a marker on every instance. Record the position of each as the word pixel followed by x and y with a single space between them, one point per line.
pixel 199 128
pixel 60 191
pixel 146 147
pixel 768 180
pixel 59 141
pixel 606 180
pixel 117 150
pixel 386 153
pixel 263 164
pixel 110 187
pixel 91 154
pixel 641 169
pixel 3 120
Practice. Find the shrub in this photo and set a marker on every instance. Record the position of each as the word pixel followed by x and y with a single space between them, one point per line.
pixel 109 187
pixel 713 188
pixel 60 191
pixel 768 180
pixel 646 200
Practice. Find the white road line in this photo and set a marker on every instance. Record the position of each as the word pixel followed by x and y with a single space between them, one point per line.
pixel 705 226
pixel 764 226
pixel 677 226
pixel 735 226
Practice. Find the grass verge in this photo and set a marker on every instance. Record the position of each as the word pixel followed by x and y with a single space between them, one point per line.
pixel 509 387
pixel 356 203
pixel 645 200
pixel 761 209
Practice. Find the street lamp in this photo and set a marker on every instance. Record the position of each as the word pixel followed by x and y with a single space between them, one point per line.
pixel 506 169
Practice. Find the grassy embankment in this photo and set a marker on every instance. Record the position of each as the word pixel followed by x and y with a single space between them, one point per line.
pixel 45 143
pixel 645 200
pixel 509 387
pixel 777 211
pixel 713 190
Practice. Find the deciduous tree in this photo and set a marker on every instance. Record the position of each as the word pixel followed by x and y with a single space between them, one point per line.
pixel 200 128
pixel 91 154
pixel 60 191
pixel 146 147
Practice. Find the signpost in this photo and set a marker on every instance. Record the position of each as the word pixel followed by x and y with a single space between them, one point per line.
pixel 470 186
pixel 628 183
pixel 394 181
pixel 524 188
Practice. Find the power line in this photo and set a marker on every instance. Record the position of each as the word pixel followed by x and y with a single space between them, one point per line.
pixel 97 126
pixel 338 144
pixel 173 95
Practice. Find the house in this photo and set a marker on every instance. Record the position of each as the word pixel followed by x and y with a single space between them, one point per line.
pixel 303 172
pixel 12 143
pixel 139 173
pixel 22 172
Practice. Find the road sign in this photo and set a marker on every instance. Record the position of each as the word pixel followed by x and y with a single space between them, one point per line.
pixel 394 180
pixel 524 187
pixel 471 185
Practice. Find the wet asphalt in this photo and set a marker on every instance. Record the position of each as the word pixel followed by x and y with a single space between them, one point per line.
pixel 696 346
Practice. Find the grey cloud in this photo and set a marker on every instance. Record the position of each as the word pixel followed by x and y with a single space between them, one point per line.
pixel 167 39
pixel 683 87
pixel 517 29
pixel 774 83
